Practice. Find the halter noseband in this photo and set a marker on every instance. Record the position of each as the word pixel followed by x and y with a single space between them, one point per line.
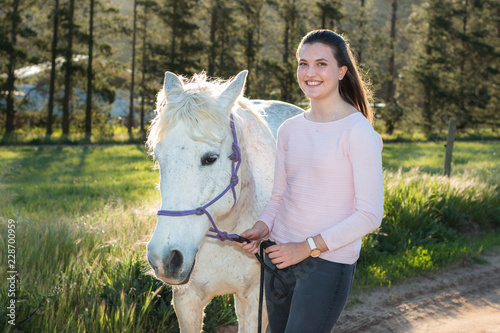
pixel 235 157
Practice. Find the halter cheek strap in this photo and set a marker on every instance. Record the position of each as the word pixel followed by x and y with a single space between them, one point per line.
pixel 235 157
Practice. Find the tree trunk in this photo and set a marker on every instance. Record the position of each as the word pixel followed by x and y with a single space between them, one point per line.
pixel 69 69
pixel 9 123
pixel 498 22
pixel 391 117
pixel 131 106
pixel 249 53
pixel 290 16
pixel 257 63
pixel 286 33
pixel 361 40
pixel 213 31
pixel 464 117
pixel 53 70
pixel 88 110
pixel 427 111
pixel 286 37
pixel 251 10
pixel 390 67
pixel 173 40
pixel 222 47
pixel 144 54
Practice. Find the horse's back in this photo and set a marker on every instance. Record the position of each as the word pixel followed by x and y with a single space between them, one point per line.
pixel 276 112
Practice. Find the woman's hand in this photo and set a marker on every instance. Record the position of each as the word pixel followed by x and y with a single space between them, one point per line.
pixel 288 254
pixel 255 234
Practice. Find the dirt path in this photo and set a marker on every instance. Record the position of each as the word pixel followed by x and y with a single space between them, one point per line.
pixel 461 299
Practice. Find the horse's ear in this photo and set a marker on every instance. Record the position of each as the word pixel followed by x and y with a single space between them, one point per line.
pixel 234 90
pixel 171 83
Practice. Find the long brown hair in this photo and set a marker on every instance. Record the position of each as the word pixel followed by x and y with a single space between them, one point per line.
pixel 352 88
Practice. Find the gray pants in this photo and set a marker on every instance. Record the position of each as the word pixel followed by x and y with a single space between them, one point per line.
pixel 318 291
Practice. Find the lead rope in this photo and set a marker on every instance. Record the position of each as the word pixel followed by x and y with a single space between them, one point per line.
pixel 274 273
pixel 261 288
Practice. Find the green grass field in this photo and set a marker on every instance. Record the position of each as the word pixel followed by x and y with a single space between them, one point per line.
pixel 83 214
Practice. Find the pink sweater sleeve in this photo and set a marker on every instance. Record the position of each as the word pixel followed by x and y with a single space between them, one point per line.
pixel 365 156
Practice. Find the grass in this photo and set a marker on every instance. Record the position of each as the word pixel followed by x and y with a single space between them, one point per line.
pixel 416 134
pixel 422 260
pixel 83 215
pixel 115 134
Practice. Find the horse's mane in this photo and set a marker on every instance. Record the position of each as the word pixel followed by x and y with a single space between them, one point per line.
pixel 196 106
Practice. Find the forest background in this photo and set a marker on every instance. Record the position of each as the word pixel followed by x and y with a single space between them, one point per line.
pixel 70 69
pixel 427 61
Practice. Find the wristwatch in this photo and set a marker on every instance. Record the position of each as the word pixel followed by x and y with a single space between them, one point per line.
pixel 315 252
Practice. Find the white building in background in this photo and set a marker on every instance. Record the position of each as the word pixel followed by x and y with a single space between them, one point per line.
pixel 39 97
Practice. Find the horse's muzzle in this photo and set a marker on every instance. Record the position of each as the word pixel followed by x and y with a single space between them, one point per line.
pixel 172 269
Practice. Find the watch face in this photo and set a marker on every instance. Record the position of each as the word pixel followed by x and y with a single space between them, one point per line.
pixel 315 253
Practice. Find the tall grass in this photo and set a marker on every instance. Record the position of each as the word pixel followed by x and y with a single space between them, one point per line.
pixel 83 215
pixel 430 221
pixel 106 134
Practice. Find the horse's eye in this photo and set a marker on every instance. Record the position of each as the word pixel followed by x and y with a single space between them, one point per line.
pixel 208 159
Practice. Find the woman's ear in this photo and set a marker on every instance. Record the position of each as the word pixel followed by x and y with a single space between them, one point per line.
pixel 343 71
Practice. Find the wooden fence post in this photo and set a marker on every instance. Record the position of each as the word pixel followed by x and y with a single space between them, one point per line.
pixel 449 146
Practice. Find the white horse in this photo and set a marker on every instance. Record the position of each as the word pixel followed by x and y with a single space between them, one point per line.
pixel 191 140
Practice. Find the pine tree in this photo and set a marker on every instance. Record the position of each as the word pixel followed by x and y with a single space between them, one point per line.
pixel 288 11
pixel 131 101
pixel 18 47
pixel 392 113
pixel 181 45
pixel 12 60
pixel 104 25
pixel 251 9
pixel 330 13
pixel 362 23
pixel 474 57
pixel 55 28
pixel 88 108
pixel 214 26
pixel 455 63
pixel 68 66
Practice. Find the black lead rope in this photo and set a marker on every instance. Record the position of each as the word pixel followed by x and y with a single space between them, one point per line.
pixel 274 272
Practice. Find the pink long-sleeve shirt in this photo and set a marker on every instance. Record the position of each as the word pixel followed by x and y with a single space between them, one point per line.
pixel 328 181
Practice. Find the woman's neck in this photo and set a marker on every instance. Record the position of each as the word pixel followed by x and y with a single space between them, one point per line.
pixel 330 109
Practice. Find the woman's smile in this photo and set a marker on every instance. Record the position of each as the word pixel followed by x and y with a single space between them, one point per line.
pixel 313 83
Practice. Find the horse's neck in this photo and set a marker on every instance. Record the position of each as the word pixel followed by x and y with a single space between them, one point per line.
pixel 256 171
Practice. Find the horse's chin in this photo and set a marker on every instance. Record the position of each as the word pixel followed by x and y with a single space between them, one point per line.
pixel 181 279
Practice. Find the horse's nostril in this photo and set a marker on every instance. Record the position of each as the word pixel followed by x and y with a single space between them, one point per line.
pixel 174 262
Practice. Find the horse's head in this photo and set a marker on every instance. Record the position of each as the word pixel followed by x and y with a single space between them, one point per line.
pixel 191 140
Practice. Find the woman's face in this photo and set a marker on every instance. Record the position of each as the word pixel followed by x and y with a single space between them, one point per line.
pixel 318 72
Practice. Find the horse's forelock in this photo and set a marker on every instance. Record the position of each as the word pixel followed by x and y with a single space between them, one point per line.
pixel 195 105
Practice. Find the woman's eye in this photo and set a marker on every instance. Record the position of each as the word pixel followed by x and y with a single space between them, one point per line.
pixel 322 64
pixel 302 64
pixel 208 159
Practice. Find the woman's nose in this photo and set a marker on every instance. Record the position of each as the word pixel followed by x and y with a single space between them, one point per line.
pixel 310 71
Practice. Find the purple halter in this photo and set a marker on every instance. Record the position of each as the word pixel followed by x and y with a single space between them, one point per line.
pixel 235 157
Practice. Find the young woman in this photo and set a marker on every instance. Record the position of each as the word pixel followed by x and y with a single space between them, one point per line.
pixel 328 190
